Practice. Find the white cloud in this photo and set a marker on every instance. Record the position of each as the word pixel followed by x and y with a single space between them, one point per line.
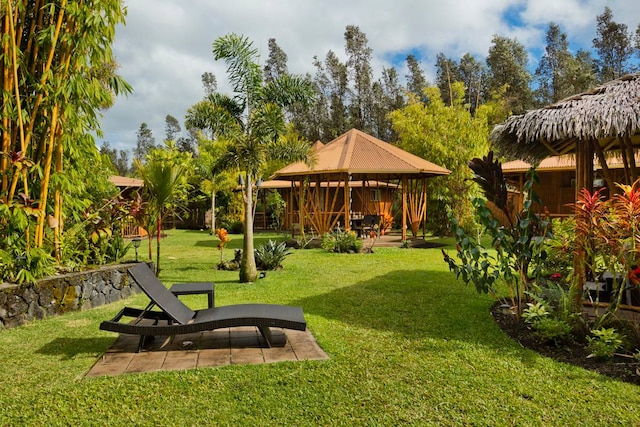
pixel 167 44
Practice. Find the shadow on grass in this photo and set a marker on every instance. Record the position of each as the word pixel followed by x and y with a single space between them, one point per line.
pixel 236 241
pixel 68 348
pixel 431 305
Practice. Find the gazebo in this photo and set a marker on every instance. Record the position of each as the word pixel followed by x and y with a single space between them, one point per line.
pixel 323 195
pixel 601 120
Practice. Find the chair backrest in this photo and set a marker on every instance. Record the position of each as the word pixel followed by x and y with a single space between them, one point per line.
pixel 370 220
pixel 160 295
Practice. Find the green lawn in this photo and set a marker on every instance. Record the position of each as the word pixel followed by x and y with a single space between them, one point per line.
pixel 408 345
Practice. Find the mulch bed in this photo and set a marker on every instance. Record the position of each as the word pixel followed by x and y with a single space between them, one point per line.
pixel 574 352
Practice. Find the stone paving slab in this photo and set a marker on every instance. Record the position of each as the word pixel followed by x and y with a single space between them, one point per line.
pixel 222 347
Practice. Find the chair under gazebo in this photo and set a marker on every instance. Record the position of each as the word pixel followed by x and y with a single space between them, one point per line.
pixel 355 175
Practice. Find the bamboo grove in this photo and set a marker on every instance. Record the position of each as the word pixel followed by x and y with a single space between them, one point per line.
pixel 57 74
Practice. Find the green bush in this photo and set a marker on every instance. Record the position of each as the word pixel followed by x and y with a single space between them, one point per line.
pixel 270 255
pixel 560 247
pixel 604 342
pixel 552 329
pixel 547 327
pixel 535 312
pixel 342 242
pixel 236 227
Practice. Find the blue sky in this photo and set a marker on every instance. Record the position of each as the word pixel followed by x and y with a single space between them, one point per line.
pixel 166 44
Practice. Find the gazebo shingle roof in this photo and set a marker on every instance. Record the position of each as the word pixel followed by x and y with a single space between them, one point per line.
pixel 362 155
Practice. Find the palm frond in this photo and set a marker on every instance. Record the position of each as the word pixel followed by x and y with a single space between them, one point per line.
pixel 245 74
pixel 287 90
pixel 487 173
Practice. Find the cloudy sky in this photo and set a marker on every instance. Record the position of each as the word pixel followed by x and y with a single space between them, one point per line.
pixel 166 45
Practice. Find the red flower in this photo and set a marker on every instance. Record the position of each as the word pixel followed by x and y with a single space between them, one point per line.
pixel 555 276
pixel 634 276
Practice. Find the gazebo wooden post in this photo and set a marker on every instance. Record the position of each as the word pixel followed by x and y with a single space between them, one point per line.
pixel 606 172
pixel 584 179
pixel 424 212
pixel 301 207
pixel 347 203
pixel 264 209
pixel 290 209
pixel 404 208
pixel 521 192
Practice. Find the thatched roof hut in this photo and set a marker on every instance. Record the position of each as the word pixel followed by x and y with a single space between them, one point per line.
pixel 603 119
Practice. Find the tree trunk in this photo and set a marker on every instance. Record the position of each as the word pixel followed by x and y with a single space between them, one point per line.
pixel 158 231
pixel 213 212
pixel 248 270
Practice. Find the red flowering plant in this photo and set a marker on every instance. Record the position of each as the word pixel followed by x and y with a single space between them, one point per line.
pixel 223 238
pixel 609 240
pixel 386 221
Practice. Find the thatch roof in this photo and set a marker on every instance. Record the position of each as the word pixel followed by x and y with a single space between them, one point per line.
pixel 363 157
pixel 605 113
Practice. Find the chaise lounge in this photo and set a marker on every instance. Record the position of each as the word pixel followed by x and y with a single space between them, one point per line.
pixel 177 319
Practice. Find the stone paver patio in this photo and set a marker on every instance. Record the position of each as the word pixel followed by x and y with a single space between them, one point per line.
pixel 222 347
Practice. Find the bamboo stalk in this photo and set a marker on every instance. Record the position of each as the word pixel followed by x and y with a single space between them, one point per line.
pixel 7 85
pixel 424 214
pixel 45 72
pixel 14 59
pixel 57 206
pixel 36 23
pixel 44 189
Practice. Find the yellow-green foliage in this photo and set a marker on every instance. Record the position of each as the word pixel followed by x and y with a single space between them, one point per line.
pixel 449 136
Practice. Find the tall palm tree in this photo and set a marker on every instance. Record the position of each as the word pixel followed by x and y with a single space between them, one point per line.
pixel 256 133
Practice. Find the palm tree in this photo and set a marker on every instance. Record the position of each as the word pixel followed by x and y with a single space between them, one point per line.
pixel 254 123
pixel 211 178
pixel 162 175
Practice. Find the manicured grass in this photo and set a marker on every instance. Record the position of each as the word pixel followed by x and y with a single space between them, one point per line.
pixel 408 345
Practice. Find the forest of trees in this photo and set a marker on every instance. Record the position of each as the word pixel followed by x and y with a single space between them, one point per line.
pixel 349 95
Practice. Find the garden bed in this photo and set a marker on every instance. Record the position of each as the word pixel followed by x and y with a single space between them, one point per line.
pixel 573 352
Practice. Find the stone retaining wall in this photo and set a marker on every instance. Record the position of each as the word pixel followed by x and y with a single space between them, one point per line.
pixel 63 293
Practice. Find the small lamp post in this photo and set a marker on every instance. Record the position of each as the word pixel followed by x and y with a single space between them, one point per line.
pixel 136 244
pixel 20 263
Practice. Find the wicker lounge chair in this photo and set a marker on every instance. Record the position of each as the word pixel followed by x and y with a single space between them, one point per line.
pixel 176 318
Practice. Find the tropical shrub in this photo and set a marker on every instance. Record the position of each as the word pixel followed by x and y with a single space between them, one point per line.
pixel 518 254
pixel 604 342
pixel 276 207
pixel 535 312
pixel 560 247
pixel 223 239
pixel 269 256
pixel 342 242
pixel 547 327
pixel 552 329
